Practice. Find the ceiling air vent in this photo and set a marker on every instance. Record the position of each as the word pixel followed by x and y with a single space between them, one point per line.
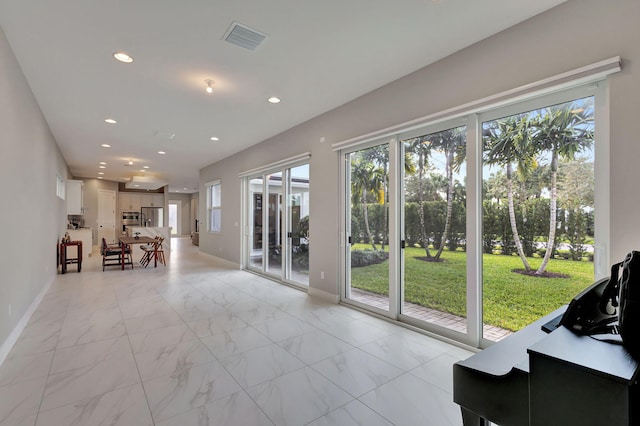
pixel 243 36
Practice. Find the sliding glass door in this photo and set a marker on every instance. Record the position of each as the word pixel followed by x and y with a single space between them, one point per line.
pixel 477 226
pixel 368 227
pixel 434 227
pixel 278 214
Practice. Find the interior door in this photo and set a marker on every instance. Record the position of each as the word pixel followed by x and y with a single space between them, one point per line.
pixel 106 216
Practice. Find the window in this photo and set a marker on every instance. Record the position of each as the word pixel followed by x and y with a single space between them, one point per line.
pixel 214 206
pixel 60 187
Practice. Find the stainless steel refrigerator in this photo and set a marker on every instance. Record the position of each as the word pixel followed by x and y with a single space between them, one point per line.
pixel 151 216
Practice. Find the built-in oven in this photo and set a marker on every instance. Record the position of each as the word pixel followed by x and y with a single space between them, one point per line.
pixel 130 219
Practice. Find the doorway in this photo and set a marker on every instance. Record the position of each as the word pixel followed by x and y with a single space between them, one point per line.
pixel 106 216
pixel 175 217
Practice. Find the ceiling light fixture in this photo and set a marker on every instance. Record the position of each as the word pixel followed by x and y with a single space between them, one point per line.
pixel 105 145
pixel 209 88
pixel 213 138
pixel 161 152
pixel 274 100
pixel 103 167
pixel 130 163
pixel 102 163
pixel 146 167
pixel 110 121
pixel 100 173
pixel 123 57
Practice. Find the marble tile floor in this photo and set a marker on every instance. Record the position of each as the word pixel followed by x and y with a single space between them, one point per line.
pixel 200 343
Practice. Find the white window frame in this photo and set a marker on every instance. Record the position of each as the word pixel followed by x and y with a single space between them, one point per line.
pixel 60 187
pixel 211 207
pixel 590 80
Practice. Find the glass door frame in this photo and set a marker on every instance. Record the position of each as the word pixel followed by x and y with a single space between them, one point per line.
pixel 345 231
pixel 474 153
pixel 473 226
pixel 285 218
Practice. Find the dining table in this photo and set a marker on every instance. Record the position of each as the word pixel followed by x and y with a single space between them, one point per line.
pixel 126 241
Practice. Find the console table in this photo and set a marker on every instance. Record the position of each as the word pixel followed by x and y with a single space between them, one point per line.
pixel 64 260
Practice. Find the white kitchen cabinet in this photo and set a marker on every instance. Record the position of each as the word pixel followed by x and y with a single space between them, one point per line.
pixel 74 197
pixel 157 200
pixel 124 202
pixel 145 200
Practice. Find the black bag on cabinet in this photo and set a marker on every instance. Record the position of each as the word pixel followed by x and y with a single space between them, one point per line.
pixel 629 303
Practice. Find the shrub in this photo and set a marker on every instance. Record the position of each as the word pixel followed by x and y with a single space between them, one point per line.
pixel 367 257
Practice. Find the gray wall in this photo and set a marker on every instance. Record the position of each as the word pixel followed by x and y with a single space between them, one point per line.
pixel 32 217
pixel 574 34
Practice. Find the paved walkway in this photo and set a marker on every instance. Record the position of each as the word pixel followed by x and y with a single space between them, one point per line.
pixel 450 321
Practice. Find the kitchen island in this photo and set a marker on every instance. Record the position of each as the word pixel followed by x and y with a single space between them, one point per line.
pixel 153 231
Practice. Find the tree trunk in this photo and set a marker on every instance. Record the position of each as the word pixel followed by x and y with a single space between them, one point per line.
pixel 512 219
pixel 425 241
pixel 447 222
pixel 365 214
pixel 553 212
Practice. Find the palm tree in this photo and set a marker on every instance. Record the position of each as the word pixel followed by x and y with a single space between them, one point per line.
pixel 420 147
pixel 453 143
pixel 366 178
pixel 563 130
pixel 508 142
pixel 380 155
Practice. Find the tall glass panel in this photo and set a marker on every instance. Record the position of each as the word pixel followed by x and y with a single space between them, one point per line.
pixel 435 257
pixel 299 224
pixel 274 223
pixel 369 226
pixel 538 213
pixel 255 223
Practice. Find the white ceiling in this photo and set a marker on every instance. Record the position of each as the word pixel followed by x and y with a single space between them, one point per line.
pixel 317 56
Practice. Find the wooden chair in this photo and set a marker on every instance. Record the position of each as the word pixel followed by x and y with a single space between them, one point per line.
pixel 153 251
pixel 111 255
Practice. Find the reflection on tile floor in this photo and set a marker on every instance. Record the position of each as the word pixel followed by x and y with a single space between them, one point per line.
pixel 199 343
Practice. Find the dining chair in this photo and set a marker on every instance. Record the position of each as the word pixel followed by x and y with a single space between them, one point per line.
pixel 112 254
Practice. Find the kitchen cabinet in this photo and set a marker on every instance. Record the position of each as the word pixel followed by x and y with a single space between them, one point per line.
pixel 74 197
pixel 157 200
pixel 133 201
pixel 124 202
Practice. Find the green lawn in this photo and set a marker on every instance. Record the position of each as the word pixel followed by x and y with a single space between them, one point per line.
pixel 511 300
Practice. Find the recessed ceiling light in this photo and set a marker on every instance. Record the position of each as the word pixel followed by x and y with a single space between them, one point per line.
pixel 161 152
pixel 146 167
pixel 100 173
pixel 136 185
pixel 105 145
pixel 103 167
pixel 103 163
pixel 99 177
pixel 130 163
pixel 123 57
pixel 143 170
pixel 185 189
pixel 213 138
pixel 274 100
pixel 110 121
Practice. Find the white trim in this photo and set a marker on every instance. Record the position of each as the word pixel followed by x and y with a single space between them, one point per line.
pixel 324 295
pixel 576 77
pixel 287 162
pixel 7 345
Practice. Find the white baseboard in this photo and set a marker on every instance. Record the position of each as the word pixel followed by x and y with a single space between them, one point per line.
pixel 7 345
pixel 324 295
